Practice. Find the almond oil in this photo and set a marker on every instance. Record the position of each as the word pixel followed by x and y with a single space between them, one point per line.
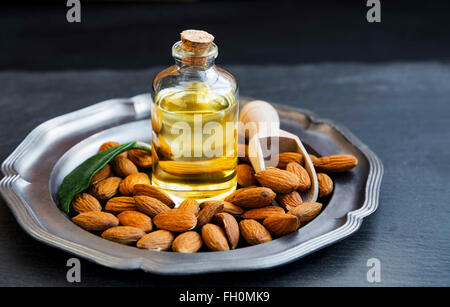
pixel 194 126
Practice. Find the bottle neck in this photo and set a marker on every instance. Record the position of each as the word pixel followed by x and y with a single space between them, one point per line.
pixel 194 62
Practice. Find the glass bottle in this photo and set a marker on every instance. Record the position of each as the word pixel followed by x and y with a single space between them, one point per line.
pixel 194 122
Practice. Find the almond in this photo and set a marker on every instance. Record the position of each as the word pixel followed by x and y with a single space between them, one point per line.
pixel 253 232
pixel 123 167
pixel 245 175
pixel 160 240
pixel 109 145
pixel 119 204
pixel 302 174
pixel 289 200
pixel 325 184
pixel 215 238
pixel 127 185
pixel 164 150
pixel 103 173
pixel 150 206
pixel 85 202
pixel 227 207
pixel 262 213
pixel 156 120
pixel 191 205
pixel 229 224
pixel 281 224
pixel 278 180
pixel 154 156
pixel 232 209
pixel 175 220
pixel 252 197
pixel 285 157
pixel 313 158
pixel 152 191
pixel 95 220
pixel 306 211
pixel 140 157
pixel 187 242
pixel 207 213
pixel 105 189
pixel 123 234
pixel 136 219
pixel 336 163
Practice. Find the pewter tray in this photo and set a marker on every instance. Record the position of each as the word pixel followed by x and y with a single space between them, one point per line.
pixel 35 169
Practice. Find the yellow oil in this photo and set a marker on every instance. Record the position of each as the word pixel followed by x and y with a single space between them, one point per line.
pixel 194 142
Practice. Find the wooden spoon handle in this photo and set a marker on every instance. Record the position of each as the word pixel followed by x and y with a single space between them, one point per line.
pixel 260 117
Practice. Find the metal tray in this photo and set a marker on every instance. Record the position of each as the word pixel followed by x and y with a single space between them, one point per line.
pixel 36 168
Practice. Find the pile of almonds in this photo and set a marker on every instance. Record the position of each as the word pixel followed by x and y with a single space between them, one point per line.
pixel 123 206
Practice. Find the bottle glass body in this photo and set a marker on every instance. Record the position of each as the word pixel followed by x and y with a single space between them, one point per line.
pixel 194 127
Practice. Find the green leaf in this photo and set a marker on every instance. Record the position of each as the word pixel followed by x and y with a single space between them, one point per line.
pixel 78 180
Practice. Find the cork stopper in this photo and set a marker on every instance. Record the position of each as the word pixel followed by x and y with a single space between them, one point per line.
pixel 197 42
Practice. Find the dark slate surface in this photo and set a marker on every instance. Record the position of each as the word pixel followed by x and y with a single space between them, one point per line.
pixel 401 111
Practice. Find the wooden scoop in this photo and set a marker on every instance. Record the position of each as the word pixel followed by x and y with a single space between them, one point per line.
pixel 260 120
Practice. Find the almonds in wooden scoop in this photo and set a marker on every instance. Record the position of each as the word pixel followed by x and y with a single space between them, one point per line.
pixel 302 174
pixel 285 157
pixel 280 181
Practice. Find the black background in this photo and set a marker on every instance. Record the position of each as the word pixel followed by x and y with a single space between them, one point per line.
pixel 387 82
pixel 136 35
